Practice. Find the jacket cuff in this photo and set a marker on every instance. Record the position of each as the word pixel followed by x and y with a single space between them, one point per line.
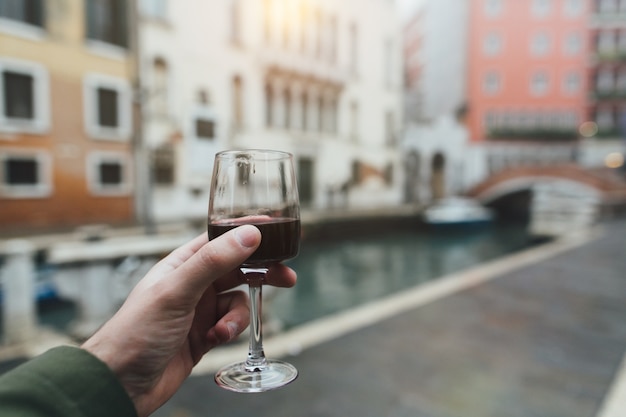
pixel 66 381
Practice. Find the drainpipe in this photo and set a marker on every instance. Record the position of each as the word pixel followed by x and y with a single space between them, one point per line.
pixel 141 154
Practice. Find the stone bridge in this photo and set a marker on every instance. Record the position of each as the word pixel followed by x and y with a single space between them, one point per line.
pixel 607 185
pixel 556 199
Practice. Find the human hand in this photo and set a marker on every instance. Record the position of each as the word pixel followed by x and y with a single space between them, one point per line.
pixel 177 313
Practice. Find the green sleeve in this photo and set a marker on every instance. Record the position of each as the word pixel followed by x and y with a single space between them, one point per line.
pixel 63 382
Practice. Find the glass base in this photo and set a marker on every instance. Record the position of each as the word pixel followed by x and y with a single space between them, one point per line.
pixel 273 375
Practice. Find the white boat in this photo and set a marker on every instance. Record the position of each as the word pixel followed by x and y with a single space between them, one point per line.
pixel 457 211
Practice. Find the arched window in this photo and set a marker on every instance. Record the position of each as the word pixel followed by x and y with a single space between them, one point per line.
pixel 287 107
pixel 269 105
pixel 238 117
pixel 159 86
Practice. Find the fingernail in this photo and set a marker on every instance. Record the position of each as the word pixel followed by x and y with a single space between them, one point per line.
pixel 233 329
pixel 247 235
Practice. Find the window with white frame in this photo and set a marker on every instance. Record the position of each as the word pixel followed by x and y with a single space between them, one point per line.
pixel 493 8
pixel 108 110
pixel 572 82
pixel 573 8
pixel 107 22
pixel 24 97
pixel 539 83
pixel 25 173
pixel 541 8
pixel 492 83
pixel 492 44
pixel 573 43
pixel 108 173
pixel 540 44
pixel 30 12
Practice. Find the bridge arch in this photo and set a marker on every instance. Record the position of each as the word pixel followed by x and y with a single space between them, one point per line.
pixel 600 187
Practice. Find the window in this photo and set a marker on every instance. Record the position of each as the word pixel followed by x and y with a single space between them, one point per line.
pixel 540 44
pixel 605 118
pixel 539 83
pixel 24 97
pixel 238 116
pixel 492 83
pixel 573 44
pixel 620 82
pixel 30 12
pixel 388 63
pixel 354 121
pixel 107 107
pixel 107 22
pixel 287 108
pixel 164 165
pixel 390 128
pixel 269 105
pixel 606 42
pixel 605 81
pixel 621 39
pixel 541 8
pixel 160 88
pixel 156 9
pixel 607 6
pixel 235 22
pixel 108 174
pixel 304 109
pixel 24 174
pixel 573 8
pixel 492 44
pixel 493 8
pixel 204 128
pixel 354 49
pixel 572 83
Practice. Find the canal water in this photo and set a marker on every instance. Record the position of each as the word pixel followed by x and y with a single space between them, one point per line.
pixel 342 272
pixel 341 266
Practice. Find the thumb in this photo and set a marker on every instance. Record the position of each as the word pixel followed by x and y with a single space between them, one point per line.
pixel 215 259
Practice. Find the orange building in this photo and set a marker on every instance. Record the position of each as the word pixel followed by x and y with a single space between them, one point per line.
pixel 65 115
pixel 527 69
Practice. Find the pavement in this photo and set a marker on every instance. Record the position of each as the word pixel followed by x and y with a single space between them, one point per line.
pixel 540 333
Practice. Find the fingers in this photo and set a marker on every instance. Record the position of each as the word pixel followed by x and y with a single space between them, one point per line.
pixel 232 307
pixel 203 263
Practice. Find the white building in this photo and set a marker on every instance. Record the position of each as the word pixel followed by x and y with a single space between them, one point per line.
pixel 436 44
pixel 318 78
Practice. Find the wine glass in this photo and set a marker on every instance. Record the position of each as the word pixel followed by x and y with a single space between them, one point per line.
pixel 256 187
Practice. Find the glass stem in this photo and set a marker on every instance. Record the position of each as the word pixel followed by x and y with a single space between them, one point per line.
pixel 256 356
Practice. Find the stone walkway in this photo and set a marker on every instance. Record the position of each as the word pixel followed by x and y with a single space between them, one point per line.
pixel 544 338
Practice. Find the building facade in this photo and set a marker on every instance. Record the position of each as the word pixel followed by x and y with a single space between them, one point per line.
pixel 317 78
pixel 527 69
pixel 607 104
pixel 65 115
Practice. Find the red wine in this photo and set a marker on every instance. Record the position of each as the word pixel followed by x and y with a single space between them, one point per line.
pixel 280 238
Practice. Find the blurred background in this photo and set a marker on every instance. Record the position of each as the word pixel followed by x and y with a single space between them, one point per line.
pixel 429 136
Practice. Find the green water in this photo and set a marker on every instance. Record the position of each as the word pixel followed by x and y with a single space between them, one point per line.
pixel 337 274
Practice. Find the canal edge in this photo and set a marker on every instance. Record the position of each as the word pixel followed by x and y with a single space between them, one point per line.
pixel 325 329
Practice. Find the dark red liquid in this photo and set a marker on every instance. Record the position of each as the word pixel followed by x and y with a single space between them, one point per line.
pixel 280 239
